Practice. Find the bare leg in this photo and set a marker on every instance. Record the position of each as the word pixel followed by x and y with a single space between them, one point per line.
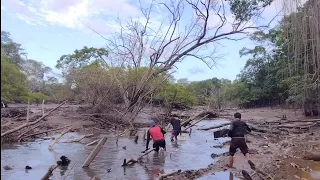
pixel 248 156
pixel 231 161
pixel 172 136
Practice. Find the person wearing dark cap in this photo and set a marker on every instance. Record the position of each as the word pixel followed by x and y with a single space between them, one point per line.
pixel 238 129
pixel 157 134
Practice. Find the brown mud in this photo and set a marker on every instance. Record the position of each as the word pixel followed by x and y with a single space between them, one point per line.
pixel 278 153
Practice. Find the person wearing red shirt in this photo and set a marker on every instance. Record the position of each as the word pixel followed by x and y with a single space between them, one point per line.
pixel 157 134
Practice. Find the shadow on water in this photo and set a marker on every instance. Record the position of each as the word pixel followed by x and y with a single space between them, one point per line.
pixel 192 153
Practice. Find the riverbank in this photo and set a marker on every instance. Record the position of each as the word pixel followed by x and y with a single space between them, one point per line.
pixel 275 152
pixel 280 155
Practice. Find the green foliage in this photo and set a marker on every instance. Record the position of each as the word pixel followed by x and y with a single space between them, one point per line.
pixel 177 94
pixel 37 97
pixel 237 92
pixel 245 9
pixel 83 57
pixel 11 50
pixel 13 82
pixel 206 91
pixel 275 71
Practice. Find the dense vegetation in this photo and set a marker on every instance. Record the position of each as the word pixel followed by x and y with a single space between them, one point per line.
pixel 25 80
pixel 274 74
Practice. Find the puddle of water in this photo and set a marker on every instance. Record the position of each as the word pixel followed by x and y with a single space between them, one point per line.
pixel 218 176
pixel 314 174
pixel 193 153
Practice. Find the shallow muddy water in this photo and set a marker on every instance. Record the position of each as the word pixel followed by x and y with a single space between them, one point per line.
pixel 192 153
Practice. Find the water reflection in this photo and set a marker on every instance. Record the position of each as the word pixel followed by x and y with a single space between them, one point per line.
pixel 195 149
pixel 63 170
pixel 158 161
pixel 89 172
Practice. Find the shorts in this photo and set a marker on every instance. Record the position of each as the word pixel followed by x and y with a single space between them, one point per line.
pixel 159 143
pixel 176 133
pixel 238 143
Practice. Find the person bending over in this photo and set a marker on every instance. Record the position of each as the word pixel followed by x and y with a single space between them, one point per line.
pixel 176 128
pixel 157 134
pixel 238 129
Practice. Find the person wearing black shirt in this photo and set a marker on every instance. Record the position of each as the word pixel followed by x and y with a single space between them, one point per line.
pixel 238 129
pixel 176 126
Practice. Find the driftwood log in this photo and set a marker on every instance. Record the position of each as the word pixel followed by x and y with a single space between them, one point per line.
pixel 93 142
pixel 246 175
pixel 30 130
pixel 253 167
pixel 49 173
pixel 195 123
pixel 79 139
pixel 94 153
pixel 169 174
pixel 313 157
pixel 214 127
pixel 58 138
pixel 221 133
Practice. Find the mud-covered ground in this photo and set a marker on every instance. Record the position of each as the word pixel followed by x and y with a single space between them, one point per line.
pixel 278 154
pixel 75 116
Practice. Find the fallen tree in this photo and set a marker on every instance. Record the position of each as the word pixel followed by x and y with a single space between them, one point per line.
pixel 215 127
pixel 30 123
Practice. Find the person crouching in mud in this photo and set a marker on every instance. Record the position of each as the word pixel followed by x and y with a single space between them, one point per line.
pixel 157 134
pixel 238 129
pixel 176 128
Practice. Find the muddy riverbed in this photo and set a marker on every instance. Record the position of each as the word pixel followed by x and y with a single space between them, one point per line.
pixel 192 153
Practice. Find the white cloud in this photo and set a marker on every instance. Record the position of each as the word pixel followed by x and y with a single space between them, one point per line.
pixel 69 13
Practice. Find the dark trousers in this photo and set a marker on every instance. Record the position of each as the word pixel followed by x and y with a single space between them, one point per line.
pixel 238 142
pixel 159 143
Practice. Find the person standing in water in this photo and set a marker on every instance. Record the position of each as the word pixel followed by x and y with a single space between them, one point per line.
pixel 157 134
pixel 238 129
pixel 176 128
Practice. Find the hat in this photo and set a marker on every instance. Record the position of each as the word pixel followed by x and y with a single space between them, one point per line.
pixel 153 123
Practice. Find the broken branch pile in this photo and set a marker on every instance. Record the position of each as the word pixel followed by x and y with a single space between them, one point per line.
pixel 27 125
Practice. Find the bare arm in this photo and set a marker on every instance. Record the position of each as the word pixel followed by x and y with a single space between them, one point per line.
pixel 248 129
pixel 148 139
pixel 163 131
